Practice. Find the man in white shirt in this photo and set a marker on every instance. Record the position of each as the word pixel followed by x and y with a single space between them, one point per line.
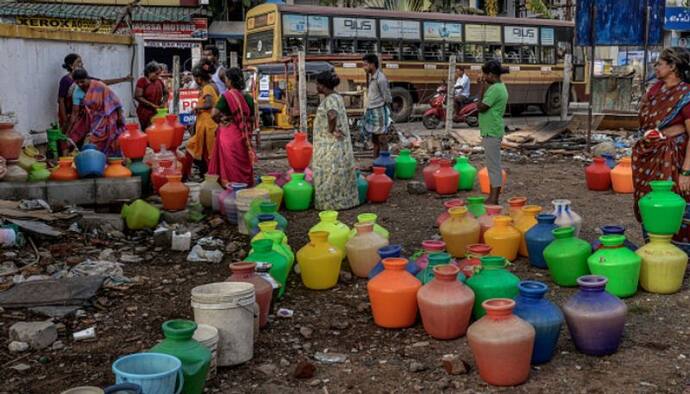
pixel 461 90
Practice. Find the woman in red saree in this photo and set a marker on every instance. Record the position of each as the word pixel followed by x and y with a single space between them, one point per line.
pixel 233 158
pixel 150 93
pixel 663 152
pixel 103 113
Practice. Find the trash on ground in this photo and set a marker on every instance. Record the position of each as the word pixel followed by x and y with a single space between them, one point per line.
pixel 89 333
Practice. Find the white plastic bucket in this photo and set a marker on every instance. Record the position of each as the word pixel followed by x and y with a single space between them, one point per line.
pixel 229 307
pixel 244 200
pixel 208 336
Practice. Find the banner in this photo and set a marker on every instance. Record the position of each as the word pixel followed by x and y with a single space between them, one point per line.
pixel 619 22
pixel 677 18
pixel 294 24
pixel 482 33
pixel 521 35
pixel 318 26
pixel 354 27
pixel 196 30
pixel 547 36
pixel 439 31
pixel 397 29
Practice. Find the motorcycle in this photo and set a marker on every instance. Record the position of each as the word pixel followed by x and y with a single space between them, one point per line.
pixel 468 113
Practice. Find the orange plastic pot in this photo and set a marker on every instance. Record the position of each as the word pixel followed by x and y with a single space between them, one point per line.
pixel 621 177
pixel 525 222
pixel 446 178
pixel 115 169
pixel 428 173
pixel 299 152
pixel 515 205
pixel 174 193
pixel 160 134
pixel 133 142
pixel 393 295
pixel 178 131
pixel 380 185
pixel 485 184
pixel 65 171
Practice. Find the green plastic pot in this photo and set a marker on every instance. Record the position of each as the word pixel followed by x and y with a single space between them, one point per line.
pixel 566 256
pixel 140 169
pixel 468 173
pixel 279 245
pixel 476 205
pixel 140 214
pixel 262 252
pixel 194 356
pixel 662 210
pixel 39 172
pixel 492 280
pixel 620 265
pixel 405 165
pixel 298 193
pixel 362 187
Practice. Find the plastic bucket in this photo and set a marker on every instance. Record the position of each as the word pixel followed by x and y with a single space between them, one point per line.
pixel 194 190
pixel 156 373
pixel 229 307
pixel 84 390
pixel 243 201
pixel 208 336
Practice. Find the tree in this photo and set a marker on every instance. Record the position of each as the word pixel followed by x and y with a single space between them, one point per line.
pixel 491 8
pixel 538 7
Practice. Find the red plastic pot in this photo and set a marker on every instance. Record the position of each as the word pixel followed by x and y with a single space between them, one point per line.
pixel 380 185
pixel 598 175
pixel 428 173
pixel 178 131
pixel 299 152
pixel 133 142
pixel 446 178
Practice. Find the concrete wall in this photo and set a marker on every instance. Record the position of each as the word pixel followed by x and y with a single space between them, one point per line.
pixel 31 69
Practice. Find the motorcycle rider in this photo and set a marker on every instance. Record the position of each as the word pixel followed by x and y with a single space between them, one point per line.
pixel 461 90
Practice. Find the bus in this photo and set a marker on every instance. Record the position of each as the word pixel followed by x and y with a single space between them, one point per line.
pixel 415 48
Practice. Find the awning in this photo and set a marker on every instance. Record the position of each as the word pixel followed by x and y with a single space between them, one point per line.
pixel 98 12
pixel 233 30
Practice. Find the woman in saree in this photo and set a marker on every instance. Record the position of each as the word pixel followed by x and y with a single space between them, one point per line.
pixel 150 94
pixel 333 162
pixel 103 111
pixel 201 144
pixel 233 156
pixel 663 152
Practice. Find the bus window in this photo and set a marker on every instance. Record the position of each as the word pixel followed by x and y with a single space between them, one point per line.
pixel 259 45
pixel 548 55
pixel 366 46
pixel 292 45
pixel 411 50
pixel 391 49
pixel 521 54
pixel 433 52
pixel 318 45
pixel 453 48
pixel 492 52
pixel 344 46
pixel 473 53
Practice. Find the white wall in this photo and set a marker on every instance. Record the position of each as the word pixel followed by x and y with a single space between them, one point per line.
pixel 30 70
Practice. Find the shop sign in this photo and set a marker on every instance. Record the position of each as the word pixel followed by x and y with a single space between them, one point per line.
pixel 547 36
pixel 677 18
pixel 69 24
pixel 189 98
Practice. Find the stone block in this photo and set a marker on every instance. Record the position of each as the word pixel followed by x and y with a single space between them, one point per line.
pixel 77 192
pixel 38 334
pixel 114 190
pixel 172 217
pixel 103 221
pixel 16 191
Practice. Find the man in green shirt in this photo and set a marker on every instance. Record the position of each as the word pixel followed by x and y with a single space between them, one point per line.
pixel 492 106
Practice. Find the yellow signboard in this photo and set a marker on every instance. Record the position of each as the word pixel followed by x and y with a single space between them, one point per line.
pixel 69 24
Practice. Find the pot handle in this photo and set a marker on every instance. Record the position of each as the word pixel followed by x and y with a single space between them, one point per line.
pixel 181 376
pixel 134 388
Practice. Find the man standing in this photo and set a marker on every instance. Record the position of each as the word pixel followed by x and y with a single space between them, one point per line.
pixel 211 53
pixel 492 106
pixel 377 115
pixel 462 87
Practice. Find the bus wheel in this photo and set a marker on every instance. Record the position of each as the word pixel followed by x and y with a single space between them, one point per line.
pixel 402 105
pixel 552 106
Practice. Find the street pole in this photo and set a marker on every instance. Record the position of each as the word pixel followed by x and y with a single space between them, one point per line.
pixel 302 91
pixel 449 95
pixel 592 37
pixel 176 84
pixel 643 83
pixel 565 89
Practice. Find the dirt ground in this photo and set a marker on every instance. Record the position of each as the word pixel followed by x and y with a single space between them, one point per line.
pixel 653 357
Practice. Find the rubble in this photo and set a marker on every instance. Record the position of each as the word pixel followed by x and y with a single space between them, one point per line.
pixel 39 335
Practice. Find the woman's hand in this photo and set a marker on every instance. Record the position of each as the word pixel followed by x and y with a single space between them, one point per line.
pixel 338 134
pixel 684 183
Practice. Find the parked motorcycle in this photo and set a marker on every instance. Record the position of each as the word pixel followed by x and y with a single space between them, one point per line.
pixel 468 113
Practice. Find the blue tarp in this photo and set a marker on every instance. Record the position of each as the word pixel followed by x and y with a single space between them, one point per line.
pixel 619 22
